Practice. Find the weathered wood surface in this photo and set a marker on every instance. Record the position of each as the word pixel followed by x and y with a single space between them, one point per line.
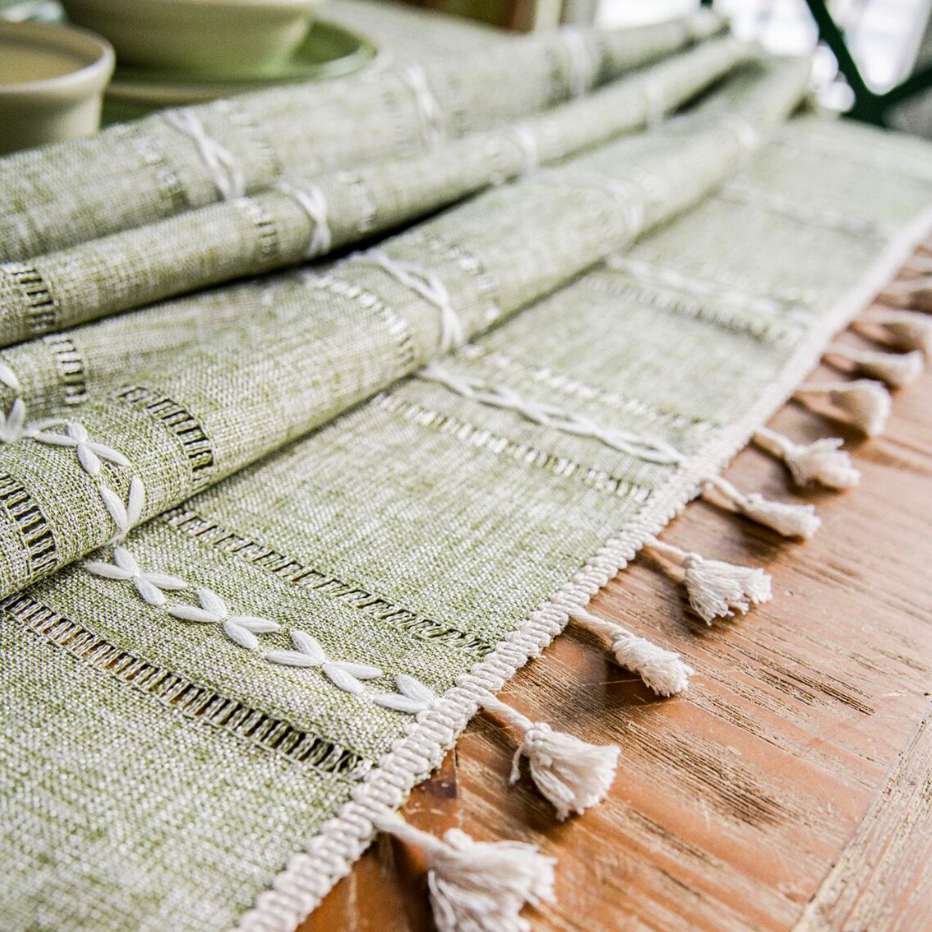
pixel 789 789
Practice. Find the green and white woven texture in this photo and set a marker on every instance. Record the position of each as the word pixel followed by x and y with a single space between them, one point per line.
pixel 284 537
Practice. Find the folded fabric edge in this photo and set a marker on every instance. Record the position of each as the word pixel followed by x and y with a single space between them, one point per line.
pixel 310 874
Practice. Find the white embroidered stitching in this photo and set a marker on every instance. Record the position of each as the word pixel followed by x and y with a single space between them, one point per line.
pixel 645 272
pixel 582 63
pixel 425 101
pixel 312 201
pixel 429 287
pixel 525 139
pixel 241 629
pixel 500 396
pixel 224 170
pixel 308 653
pixel 412 697
pixel 125 569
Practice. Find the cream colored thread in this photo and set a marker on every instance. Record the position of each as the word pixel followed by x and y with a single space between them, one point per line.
pixel 224 170
pixel 662 670
pixel 582 63
pixel 429 287
pixel 652 274
pixel 778 203
pixel 9 378
pixel 90 455
pixel 654 103
pixel 500 396
pixel 867 402
pixel 526 140
pixel 412 697
pixel 125 569
pixel 312 201
pixel 13 422
pixel 241 629
pixel 476 886
pixel 570 774
pixel 429 110
pixel 822 462
pixel 745 132
pixel 308 653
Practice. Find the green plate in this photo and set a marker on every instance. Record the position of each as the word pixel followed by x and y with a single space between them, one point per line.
pixel 329 51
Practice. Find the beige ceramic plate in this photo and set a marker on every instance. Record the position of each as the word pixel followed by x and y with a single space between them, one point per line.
pixel 328 51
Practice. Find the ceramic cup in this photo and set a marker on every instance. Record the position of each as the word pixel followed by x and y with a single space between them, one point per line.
pixel 217 38
pixel 52 80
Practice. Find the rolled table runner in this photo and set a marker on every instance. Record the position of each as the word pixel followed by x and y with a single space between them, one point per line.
pixel 323 342
pixel 307 215
pixel 182 159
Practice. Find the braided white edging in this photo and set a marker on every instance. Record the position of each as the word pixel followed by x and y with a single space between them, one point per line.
pixel 429 287
pixel 222 165
pixel 501 396
pixel 312 201
pixel 428 109
pixel 309 875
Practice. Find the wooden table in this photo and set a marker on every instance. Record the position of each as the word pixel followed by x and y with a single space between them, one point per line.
pixel 789 789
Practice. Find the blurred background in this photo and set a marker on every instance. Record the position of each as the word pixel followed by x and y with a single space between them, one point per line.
pixel 884 46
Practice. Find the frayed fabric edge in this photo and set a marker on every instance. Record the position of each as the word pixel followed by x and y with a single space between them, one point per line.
pixel 330 855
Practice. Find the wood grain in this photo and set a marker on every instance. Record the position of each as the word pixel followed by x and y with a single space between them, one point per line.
pixel 789 789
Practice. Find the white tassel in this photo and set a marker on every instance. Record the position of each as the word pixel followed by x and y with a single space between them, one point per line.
pixel 896 369
pixel 822 462
pixel 477 886
pixel 904 330
pixel 782 517
pixel 915 292
pixel 570 774
pixel 662 670
pixel 866 403
pixel 716 589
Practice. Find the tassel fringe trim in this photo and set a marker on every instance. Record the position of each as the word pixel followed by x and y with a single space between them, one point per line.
pixel 477 886
pixel 570 774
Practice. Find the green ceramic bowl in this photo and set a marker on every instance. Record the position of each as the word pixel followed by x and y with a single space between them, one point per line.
pixel 328 51
pixel 211 38
pixel 52 80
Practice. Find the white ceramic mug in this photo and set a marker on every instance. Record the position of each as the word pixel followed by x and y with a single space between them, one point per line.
pixel 52 80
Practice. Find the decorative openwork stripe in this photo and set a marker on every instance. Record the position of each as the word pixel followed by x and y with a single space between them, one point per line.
pixel 395 324
pixel 30 521
pixel 268 243
pixel 212 534
pixel 178 693
pixel 43 308
pixel 180 421
pixel 70 365
pixel 667 299
pixel 573 388
pixel 481 438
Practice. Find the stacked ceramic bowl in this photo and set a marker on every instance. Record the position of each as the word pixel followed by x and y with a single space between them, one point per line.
pixel 172 52
pixel 168 53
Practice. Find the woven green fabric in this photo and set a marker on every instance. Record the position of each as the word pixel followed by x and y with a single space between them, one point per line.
pixel 305 474
pixel 135 173
pixel 316 344
pixel 249 236
pixel 417 533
